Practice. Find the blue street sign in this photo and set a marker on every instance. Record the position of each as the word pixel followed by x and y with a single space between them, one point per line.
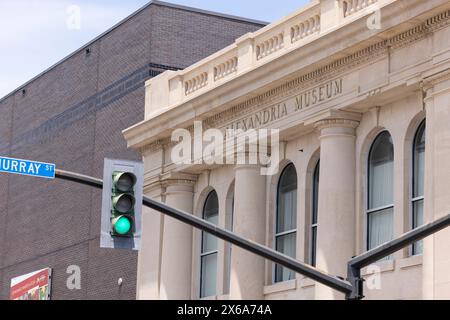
pixel 28 168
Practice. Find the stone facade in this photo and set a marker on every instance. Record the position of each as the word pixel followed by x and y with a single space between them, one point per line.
pixel 343 72
pixel 73 115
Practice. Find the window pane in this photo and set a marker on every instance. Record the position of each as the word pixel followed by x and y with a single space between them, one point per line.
pixel 315 205
pixel 419 161
pixel 209 242
pixel 418 221
pixel 313 246
pixel 211 214
pixel 211 209
pixel 287 200
pixel 286 219
pixel 381 172
pixel 208 276
pixel 380 227
pixel 285 244
pixel 287 216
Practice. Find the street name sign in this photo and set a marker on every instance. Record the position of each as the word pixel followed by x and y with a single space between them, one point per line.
pixel 27 167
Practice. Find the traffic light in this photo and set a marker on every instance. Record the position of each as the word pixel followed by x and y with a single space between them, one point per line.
pixel 121 204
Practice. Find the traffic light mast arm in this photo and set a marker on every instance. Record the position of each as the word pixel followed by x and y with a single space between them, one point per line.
pixel 357 263
pixel 79 178
pixel 353 288
pixel 260 250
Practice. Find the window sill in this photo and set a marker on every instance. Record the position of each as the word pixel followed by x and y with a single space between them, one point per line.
pixel 385 266
pixel 209 298
pixel 410 262
pixel 307 282
pixel 280 287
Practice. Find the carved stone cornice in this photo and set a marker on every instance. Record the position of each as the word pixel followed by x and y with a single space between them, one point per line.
pixel 155 146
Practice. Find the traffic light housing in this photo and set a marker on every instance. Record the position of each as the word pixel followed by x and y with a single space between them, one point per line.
pixel 121 204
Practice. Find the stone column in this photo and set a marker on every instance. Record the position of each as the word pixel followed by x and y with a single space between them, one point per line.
pixel 149 257
pixel 436 255
pixel 247 269
pixel 336 221
pixel 176 258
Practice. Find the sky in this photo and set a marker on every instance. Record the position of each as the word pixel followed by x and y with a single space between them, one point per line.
pixel 35 34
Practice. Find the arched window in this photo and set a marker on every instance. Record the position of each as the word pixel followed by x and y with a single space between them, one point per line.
pixel 314 215
pixel 286 220
pixel 208 256
pixel 418 183
pixel 380 213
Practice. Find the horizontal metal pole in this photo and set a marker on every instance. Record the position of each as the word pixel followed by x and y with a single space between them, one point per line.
pixel 403 241
pixel 79 178
pixel 256 248
pixel 260 250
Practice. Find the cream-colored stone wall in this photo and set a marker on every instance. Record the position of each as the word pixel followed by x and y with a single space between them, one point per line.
pixel 338 84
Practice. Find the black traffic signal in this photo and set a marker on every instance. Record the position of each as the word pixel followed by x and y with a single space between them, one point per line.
pixel 121 204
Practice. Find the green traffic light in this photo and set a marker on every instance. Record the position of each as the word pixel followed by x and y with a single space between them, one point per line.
pixel 122 226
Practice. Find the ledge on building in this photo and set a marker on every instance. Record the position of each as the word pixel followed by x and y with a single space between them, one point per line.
pixel 280 287
pixel 307 282
pixel 409 262
pixel 384 266
pixel 211 298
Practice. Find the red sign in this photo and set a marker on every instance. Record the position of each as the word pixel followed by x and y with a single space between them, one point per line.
pixel 32 286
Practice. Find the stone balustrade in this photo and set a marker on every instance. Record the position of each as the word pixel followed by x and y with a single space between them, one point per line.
pixel 305 28
pixel 196 83
pixel 269 46
pixel 226 68
pixel 254 49
pixel 352 6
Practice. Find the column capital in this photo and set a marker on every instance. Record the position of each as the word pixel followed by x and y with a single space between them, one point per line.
pixel 247 166
pixel 333 123
pixel 435 85
pixel 334 118
pixel 171 179
pixel 434 79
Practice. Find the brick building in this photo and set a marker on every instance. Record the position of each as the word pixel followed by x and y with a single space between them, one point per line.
pixel 72 115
